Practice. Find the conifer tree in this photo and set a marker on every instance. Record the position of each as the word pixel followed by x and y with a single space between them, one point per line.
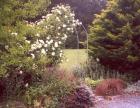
pixel 114 36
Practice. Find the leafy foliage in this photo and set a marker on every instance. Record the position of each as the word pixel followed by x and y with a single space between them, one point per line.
pixel 50 91
pixel 14 48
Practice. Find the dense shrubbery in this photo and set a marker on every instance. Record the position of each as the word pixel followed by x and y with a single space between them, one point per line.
pixel 17 67
pixel 27 49
pixel 52 88
pixel 32 45
pixel 14 45
pixel 46 91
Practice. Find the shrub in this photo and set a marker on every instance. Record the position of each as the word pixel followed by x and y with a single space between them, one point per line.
pixel 94 70
pixel 92 83
pixel 54 72
pixel 15 84
pixel 16 62
pixel 31 46
pixel 13 27
pixel 35 94
pixel 110 87
pixel 53 31
pixel 55 84
pixel 80 97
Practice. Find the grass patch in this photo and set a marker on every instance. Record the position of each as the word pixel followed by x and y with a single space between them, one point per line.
pixel 73 57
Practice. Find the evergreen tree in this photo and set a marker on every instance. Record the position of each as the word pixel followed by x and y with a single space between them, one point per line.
pixel 114 36
pixel 14 46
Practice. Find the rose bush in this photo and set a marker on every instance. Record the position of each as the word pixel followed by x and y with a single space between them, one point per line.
pixel 52 32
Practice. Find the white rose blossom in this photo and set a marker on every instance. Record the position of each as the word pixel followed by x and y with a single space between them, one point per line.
pixel 66 16
pixel 33 56
pixel 27 41
pixel 51 41
pixel 65 36
pixel 41 41
pixel 37 34
pixel 46 27
pixel 53 48
pixel 48 37
pixel 60 54
pixel 43 17
pixel 57 18
pixel 6 46
pixel 56 44
pixel 45 45
pixel 53 53
pixel 58 34
pixel 33 47
pixel 68 29
pixel 59 28
pixel 64 25
pixel 43 51
pixel 26 85
pixel 20 72
pixel 97 59
pixel 14 33
pixel 60 42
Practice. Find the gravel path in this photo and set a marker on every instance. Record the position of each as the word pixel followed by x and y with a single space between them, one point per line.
pixel 128 101
pixel 131 99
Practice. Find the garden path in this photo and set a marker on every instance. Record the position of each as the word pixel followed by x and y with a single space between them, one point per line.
pixel 126 101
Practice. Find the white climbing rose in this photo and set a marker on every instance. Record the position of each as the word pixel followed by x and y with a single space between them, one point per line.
pixel 51 41
pixel 60 42
pixel 64 25
pixel 53 53
pixel 56 44
pixel 45 45
pixel 43 51
pixel 33 56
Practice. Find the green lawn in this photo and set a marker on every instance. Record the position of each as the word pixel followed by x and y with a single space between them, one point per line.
pixel 74 57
